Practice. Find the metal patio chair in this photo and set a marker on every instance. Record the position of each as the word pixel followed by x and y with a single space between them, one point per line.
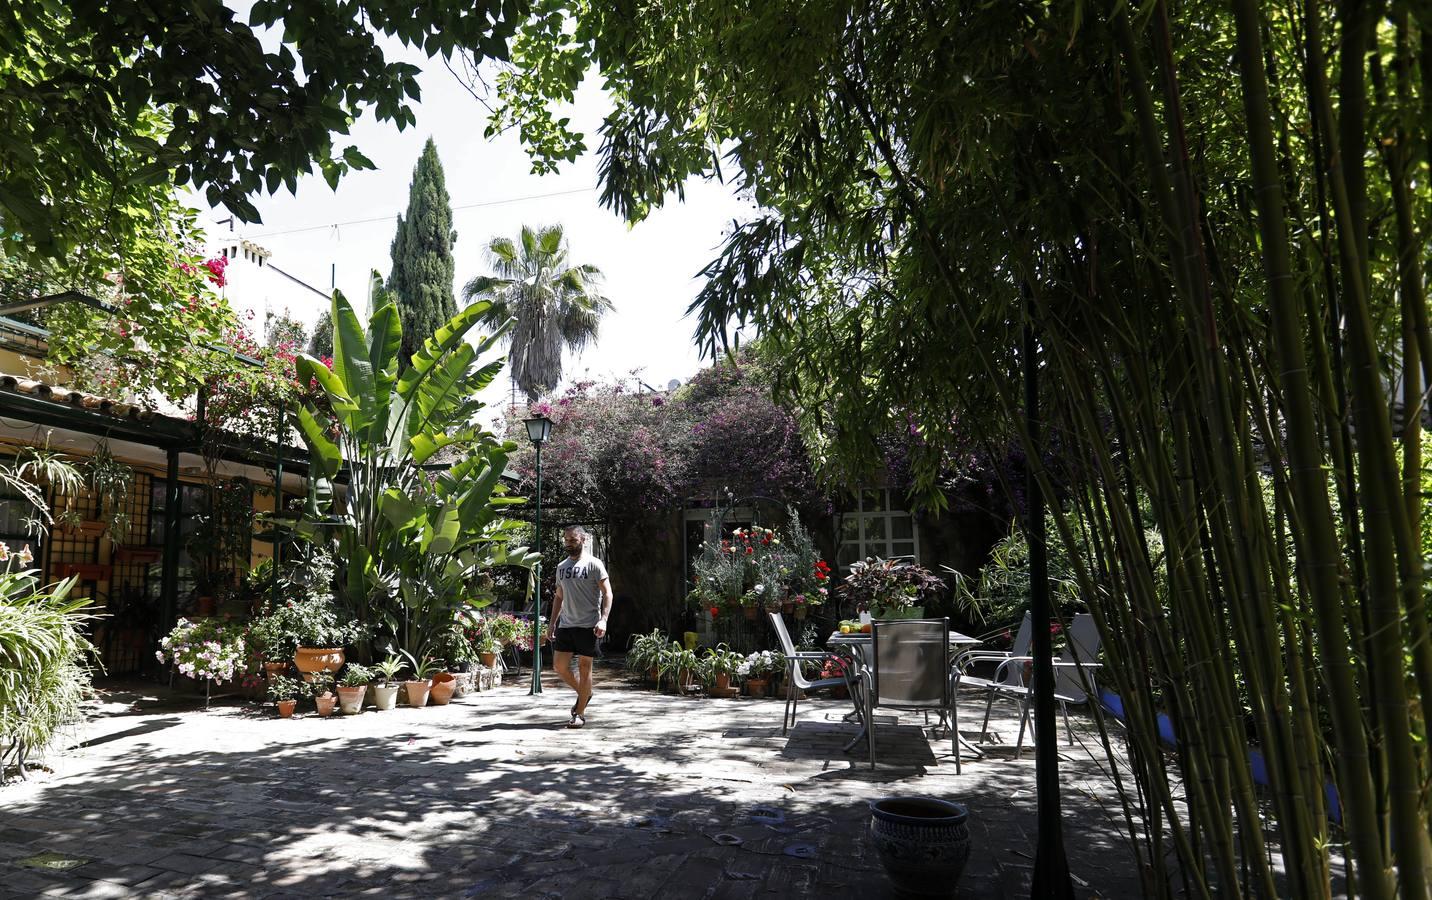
pixel 1011 675
pixel 909 670
pixel 795 678
pixel 1073 671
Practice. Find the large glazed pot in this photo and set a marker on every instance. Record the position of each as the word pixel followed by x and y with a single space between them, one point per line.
pixel 923 843
pixel 310 660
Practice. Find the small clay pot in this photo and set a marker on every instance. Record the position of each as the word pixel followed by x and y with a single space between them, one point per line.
pixel 488 660
pixel 285 708
pixel 325 704
pixel 417 692
pixel 443 685
pixel 385 696
pixel 756 687
pixel 350 699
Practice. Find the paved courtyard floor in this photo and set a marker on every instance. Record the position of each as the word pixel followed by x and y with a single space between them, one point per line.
pixel 492 796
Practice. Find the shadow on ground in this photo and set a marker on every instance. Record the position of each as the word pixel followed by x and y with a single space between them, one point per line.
pixel 660 797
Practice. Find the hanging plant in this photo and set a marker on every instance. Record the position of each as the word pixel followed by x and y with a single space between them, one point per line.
pixel 107 481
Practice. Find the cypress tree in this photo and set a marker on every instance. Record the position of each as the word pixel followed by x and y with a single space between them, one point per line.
pixel 422 254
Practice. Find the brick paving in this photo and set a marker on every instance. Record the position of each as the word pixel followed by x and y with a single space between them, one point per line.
pixel 491 796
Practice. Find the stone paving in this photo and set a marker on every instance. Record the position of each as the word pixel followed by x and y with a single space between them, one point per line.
pixel 491 796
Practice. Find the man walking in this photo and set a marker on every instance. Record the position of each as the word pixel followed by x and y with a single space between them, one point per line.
pixel 579 617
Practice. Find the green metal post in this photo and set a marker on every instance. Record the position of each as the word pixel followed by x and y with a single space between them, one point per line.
pixel 277 507
pixel 169 579
pixel 537 588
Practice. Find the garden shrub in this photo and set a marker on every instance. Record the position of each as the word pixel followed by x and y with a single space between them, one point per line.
pixel 44 664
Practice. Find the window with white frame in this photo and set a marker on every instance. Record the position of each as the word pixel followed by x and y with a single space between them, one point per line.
pixel 876 527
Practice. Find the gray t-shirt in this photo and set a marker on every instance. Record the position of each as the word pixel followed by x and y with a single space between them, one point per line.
pixel 581 583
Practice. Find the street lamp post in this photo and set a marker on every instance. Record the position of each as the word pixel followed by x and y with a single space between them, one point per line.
pixel 538 430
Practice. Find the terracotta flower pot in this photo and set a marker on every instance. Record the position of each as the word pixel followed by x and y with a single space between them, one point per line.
pixel 750 612
pixel 441 691
pixel 274 668
pixel 800 612
pixel 653 674
pixel 350 699
pixel 285 708
pixel 417 692
pixel 488 660
pixel 311 660
pixel 788 608
pixel 385 696
pixel 756 687
pixel 325 704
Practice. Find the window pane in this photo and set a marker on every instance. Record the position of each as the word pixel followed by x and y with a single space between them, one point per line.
pixel 902 528
pixel 849 528
pixel 902 548
pixel 848 554
pixel 872 500
pixel 874 530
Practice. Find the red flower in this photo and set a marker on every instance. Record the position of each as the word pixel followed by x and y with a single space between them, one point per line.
pixel 714 611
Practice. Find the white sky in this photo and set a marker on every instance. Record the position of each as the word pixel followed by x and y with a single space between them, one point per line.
pixel 649 270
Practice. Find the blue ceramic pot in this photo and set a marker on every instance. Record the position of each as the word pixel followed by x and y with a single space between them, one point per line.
pixel 923 843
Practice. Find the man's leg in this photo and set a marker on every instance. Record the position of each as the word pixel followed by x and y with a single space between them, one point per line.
pixel 562 662
pixel 584 683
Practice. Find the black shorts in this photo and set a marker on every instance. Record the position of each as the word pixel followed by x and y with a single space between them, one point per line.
pixel 581 641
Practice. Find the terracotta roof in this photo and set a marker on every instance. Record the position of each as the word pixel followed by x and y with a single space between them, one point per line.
pixel 81 399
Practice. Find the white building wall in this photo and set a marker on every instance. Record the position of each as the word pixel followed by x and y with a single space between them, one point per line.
pixel 258 285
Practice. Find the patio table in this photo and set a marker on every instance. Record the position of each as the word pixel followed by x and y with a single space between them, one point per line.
pixel 859 644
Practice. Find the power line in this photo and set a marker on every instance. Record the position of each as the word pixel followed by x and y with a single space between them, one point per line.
pixel 390 217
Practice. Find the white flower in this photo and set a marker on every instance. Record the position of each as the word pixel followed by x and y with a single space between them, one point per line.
pixel 26 557
pixel 760 588
pixel 4 551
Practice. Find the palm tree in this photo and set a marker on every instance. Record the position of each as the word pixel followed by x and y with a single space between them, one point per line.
pixel 555 305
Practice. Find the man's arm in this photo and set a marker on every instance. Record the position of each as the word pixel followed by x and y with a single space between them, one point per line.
pixel 601 628
pixel 556 609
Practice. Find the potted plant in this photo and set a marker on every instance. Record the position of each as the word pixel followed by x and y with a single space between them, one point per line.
pixel 757 669
pixel 305 625
pixel 323 696
pixel 205 650
pixel 681 664
pixel 890 588
pixel 442 685
pixel 719 665
pixel 385 691
pixel 285 691
pixel 353 688
pixel 644 654
pixel 419 687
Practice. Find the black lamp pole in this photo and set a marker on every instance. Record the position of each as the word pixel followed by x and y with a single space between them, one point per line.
pixel 538 430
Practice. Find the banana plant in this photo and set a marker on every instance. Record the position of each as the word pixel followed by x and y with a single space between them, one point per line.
pixel 410 534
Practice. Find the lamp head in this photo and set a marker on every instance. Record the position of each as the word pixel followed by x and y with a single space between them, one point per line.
pixel 539 428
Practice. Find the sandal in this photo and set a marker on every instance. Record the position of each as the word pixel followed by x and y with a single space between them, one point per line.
pixel 577 721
